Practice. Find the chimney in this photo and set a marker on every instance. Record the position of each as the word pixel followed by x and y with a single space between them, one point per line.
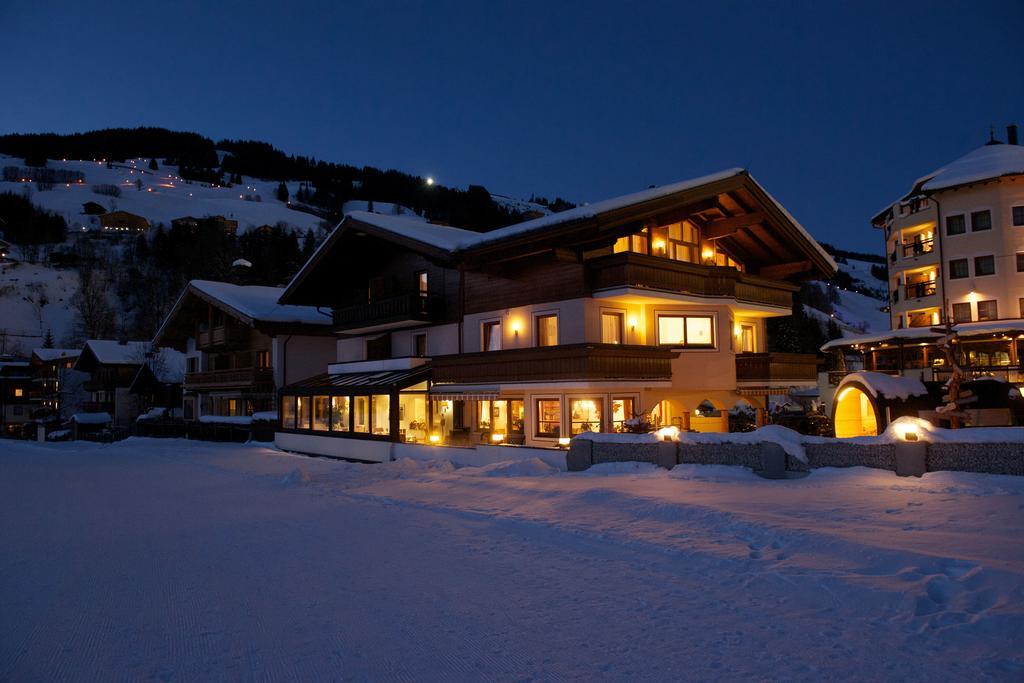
pixel 1011 134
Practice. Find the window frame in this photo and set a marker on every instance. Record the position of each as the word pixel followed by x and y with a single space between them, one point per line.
pixel 485 326
pixel 995 307
pixel 598 401
pixel 416 338
pixel 658 315
pixel 981 212
pixel 621 326
pixel 952 272
pixel 537 433
pixel 963 218
pixel 970 312
pixel 423 282
pixel 985 256
pixel 537 317
pixel 1013 215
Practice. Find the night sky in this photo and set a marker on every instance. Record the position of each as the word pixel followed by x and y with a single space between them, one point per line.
pixel 835 108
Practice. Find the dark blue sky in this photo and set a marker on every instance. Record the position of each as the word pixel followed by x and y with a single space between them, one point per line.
pixel 834 107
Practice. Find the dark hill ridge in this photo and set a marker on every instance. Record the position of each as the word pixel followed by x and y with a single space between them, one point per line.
pixel 331 185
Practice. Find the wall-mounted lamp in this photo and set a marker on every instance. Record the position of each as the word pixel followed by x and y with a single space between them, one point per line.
pixel 515 327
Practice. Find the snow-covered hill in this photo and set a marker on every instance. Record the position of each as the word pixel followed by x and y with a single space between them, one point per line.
pixel 856 312
pixel 34 299
pixel 163 197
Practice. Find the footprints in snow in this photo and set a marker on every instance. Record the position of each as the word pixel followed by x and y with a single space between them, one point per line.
pixel 758 551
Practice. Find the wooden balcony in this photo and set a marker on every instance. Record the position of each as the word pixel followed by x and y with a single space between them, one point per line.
pixel 640 271
pixel 396 311
pixel 259 379
pixel 556 363
pixel 776 367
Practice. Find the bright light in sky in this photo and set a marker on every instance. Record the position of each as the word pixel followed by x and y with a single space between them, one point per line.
pixel 430 181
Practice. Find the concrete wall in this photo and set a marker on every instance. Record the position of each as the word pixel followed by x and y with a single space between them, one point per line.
pixel 990 458
pixel 300 357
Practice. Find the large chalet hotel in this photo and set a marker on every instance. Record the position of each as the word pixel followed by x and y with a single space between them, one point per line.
pixel 653 304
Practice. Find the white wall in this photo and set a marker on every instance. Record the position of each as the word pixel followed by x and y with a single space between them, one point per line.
pixel 572 328
pixel 306 356
pixel 353 449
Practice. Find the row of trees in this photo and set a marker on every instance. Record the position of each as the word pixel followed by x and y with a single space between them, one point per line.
pixel 22 222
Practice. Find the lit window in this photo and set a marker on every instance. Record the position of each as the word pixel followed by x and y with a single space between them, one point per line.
pixel 962 312
pixel 339 413
pixel 746 338
pixel 586 415
pixel 549 417
pixel 361 414
pixel 611 328
pixel 492 336
pixel 688 330
pixel 622 410
pixel 422 282
pixel 412 417
pixel 987 310
pixel 380 406
pixel 304 405
pixel 547 330
pixel 18 393
pixel 321 415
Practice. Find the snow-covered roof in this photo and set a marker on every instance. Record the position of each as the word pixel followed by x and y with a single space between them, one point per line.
pixel 91 418
pixel 984 163
pixel 259 303
pixel 440 236
pixel 906 333
pixel 882 385
pixel 47 355
pixel 926 333
pixel 113 352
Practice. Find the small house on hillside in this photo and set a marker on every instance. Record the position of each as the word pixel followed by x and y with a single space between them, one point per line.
pixel 191 223
pixel 123 222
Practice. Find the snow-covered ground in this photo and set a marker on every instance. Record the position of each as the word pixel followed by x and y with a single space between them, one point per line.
pixel 178 560
pixel 856 313
pixel 33 299
pixel 163 196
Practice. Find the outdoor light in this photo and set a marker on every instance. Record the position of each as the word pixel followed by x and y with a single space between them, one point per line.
pixel 563 441
pixel 434 438
pixel 497 438
pixel 659 245
pixel 910 435
pixel 632 322
pixel 708 254
pixel 515 327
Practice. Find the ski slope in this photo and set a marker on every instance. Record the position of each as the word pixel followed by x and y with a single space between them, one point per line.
pixel 163 197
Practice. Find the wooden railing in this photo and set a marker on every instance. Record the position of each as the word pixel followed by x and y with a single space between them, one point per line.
pixel 776 367
pixel 412 307
pixel 216 336
pixel 652 272
pixel 569 362
pixel 918 248
pixel 917 290
pixel 237 378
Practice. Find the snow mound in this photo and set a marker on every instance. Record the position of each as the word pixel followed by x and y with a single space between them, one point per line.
pixel 926 431
pixel 712 473
pixel 532 467
pixel 628 467
pixel 296 477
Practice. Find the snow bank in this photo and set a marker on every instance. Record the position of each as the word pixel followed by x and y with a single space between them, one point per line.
pixel 226 419
pixel 926 431
pixel 533 467
pixel 264 416
pixel 627 467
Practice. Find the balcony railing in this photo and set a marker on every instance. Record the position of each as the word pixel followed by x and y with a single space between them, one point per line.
pixel 776 367
pixel 569 362
pixel 216 336
pixel 412 307
pixel 917 290
pixel 918 248
pixel 237 378
pixel 651 272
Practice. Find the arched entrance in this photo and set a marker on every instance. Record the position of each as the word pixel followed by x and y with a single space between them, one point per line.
pixel 855 413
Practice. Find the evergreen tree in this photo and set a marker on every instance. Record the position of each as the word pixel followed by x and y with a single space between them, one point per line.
pixel 152 165
pixel 833 331
pixel 48 340
pixel 282 193
pixel 138 184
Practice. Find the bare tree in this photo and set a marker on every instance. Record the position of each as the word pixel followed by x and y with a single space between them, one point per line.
pixel 94 314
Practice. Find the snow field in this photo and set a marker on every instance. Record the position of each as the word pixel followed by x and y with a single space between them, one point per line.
pixel 189 561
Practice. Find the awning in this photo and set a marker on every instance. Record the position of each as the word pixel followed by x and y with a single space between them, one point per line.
pixel 454 392
pixel 360 382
